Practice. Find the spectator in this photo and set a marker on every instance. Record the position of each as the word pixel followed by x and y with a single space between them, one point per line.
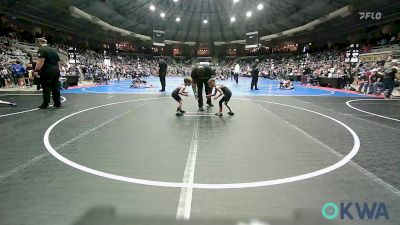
pixel 18 72
pixel 363 81
pixel 5 74
pixel 389 78
pixel 377 84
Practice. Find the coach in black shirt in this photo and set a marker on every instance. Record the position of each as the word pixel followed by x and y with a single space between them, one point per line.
pixel 162 72
pixel 49 73
pixel 200 76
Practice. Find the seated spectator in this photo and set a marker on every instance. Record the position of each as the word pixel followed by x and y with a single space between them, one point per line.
pixel 363 81
pixel 377 84
pixel 6 77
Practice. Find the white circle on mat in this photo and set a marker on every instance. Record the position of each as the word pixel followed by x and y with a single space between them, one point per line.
pixel 370 113
pixel 63 99
pixel 337 165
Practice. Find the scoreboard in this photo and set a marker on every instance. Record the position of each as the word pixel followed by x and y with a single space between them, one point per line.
pixel 158 38
pixel 252 39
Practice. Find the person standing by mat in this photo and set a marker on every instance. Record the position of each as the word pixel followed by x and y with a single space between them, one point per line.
pixel 200 75
pixel 306 74
pixel 162 72
pixel 236 72
pixel 255 70
pixel 48 71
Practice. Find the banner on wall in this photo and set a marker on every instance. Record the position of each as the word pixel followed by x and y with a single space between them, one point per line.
pixel 373 57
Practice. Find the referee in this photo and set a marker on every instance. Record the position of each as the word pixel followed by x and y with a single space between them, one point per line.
pixel 162 72
pixel 48 71
pixel 255 70
pixel 200 76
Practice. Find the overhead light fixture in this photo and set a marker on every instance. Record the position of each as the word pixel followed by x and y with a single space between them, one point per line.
pixel 248 14
pixel 205 21
pixel 235 1
pixel 152 7
pixel 175 0
pixel 162 15
pixel 178 19
pixel 233 19
pixel 260 6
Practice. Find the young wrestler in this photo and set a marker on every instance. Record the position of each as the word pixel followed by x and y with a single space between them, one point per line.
pixel 137 81
pixel 286 84
pixel 222 90
pixel 7 103
pixel 181 90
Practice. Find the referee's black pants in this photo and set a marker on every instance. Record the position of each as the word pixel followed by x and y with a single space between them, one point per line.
pixel 254 81
pixel 162 80
pixel 207 88
pixel 51 84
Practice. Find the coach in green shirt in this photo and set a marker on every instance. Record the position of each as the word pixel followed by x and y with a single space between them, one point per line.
pixel 49 72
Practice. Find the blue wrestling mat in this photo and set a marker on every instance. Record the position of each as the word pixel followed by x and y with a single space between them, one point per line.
pixel 267 88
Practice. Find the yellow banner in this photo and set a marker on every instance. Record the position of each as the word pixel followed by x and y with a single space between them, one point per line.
pixel 374 57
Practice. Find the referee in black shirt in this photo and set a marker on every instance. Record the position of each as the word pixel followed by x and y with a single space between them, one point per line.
pixel 200 76
pixel 162 72
pixel 255 70
pixel 48 71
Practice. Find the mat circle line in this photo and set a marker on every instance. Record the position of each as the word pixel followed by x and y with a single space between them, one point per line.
pixel 29 110
pixel 370 113
pixel 346 159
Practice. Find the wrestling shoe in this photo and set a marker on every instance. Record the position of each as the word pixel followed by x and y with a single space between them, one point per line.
pixel 183 112
pixel 179 114
pixel 218 114
pixel 231 113
pixel 201 109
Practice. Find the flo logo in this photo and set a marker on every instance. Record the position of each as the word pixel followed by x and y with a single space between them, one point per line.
pixel 355 210
pixel 370 15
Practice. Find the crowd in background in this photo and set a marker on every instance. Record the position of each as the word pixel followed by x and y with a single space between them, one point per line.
pixel 16 66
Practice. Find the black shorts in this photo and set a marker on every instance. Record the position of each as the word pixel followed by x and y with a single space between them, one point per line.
pixel 226 98
pixel 176 96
